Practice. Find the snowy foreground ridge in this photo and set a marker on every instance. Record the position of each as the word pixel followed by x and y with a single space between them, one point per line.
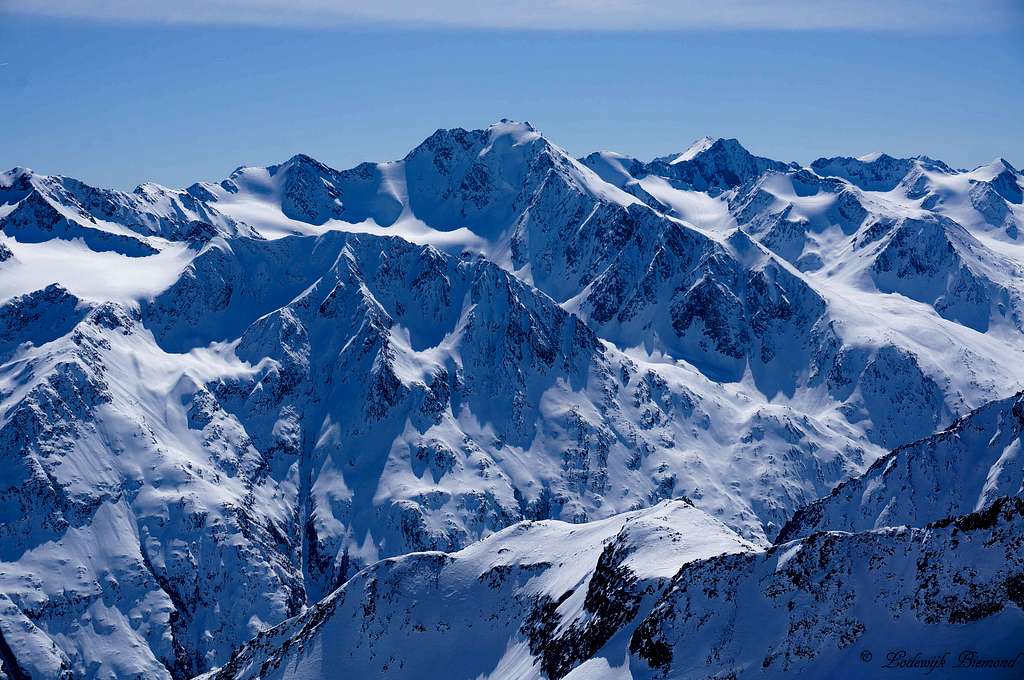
pixel 491 411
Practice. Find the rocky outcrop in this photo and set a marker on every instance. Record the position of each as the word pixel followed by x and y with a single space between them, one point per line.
pixel 947 594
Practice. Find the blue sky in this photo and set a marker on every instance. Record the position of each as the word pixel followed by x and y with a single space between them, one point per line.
pixel 94 91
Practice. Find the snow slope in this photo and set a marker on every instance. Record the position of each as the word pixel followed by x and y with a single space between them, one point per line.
pixel 533 600
pixel 960 470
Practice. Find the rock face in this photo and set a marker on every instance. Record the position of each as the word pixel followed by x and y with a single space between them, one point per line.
pixel 936 261
pixel 252 391
pixel 875 172
pixel 123 531
pixel 830 602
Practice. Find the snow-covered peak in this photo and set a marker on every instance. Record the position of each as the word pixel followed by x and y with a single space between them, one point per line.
pixel 14 175
pixel 458 189
pixel 876 171
pixel 299 162
pixel 518 133
pixel 870 157
pixel 35 207
pixel 713 166
pixel 697 147
pixel 501 138
pixel 15 184
pixel 615 168
pixel 996 167
pixel 998 171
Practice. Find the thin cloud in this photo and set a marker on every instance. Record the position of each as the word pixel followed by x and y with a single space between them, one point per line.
pixel 556 15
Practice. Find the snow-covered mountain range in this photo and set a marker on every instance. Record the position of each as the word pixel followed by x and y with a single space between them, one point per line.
pixel 586 417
